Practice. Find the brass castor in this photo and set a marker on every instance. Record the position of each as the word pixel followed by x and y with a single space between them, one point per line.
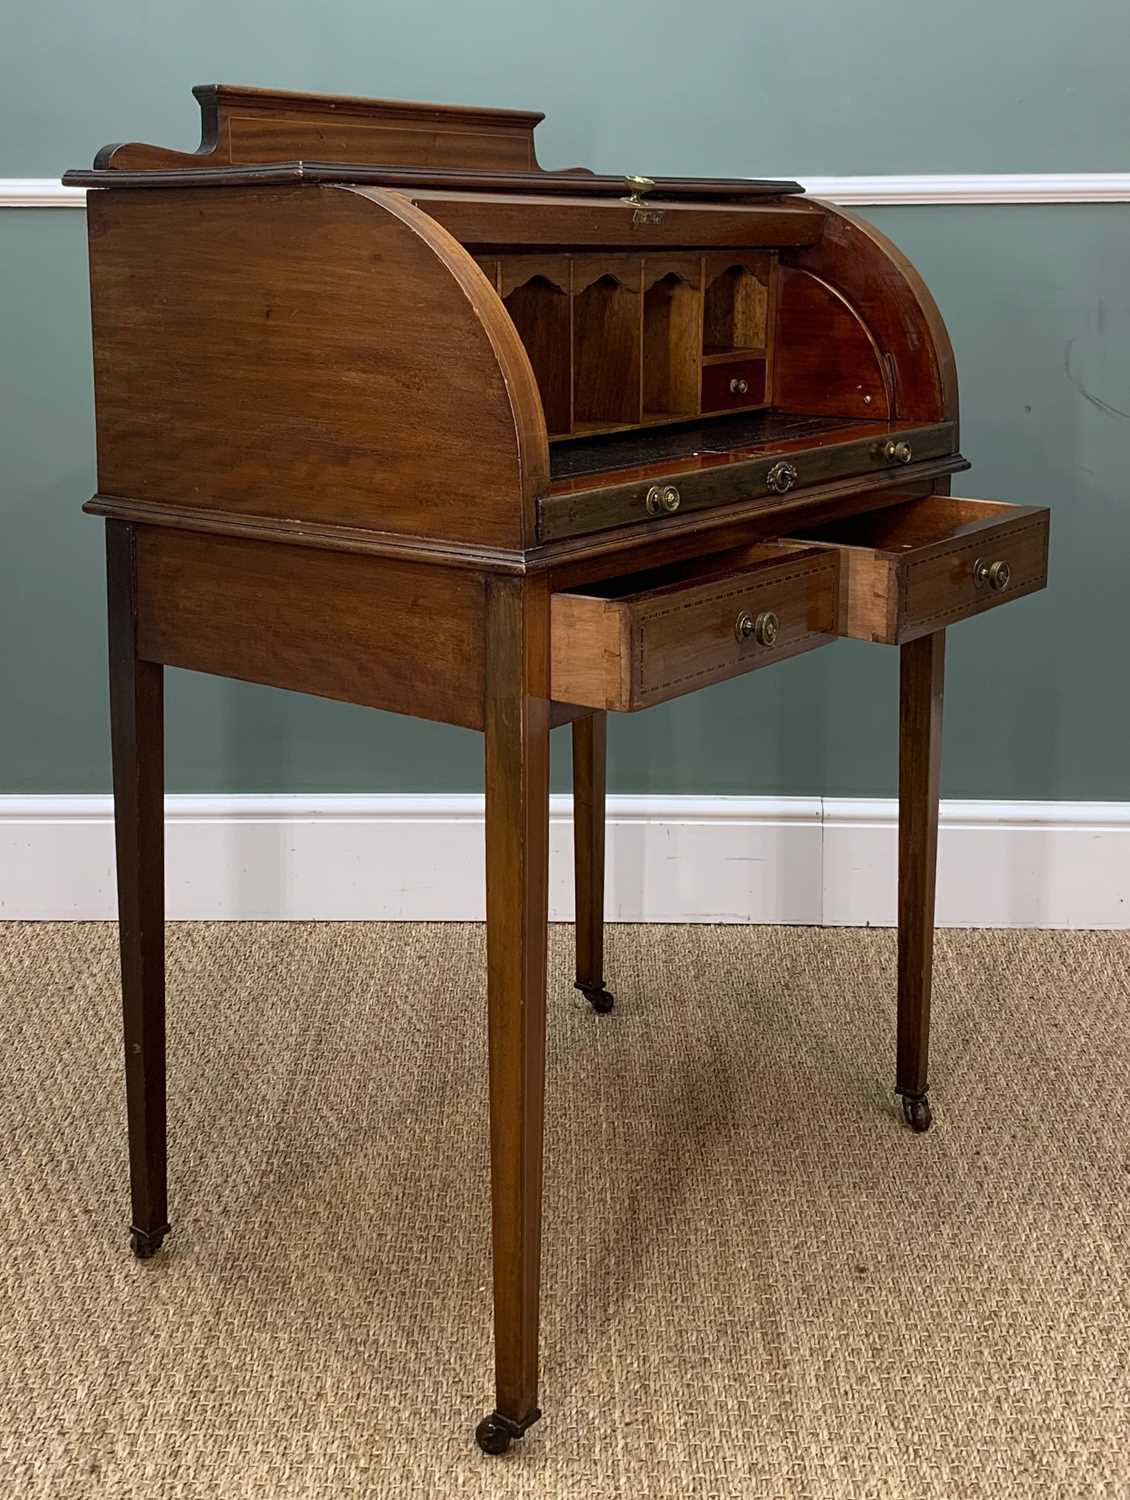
pixel 145 1246
pixel 599 998
pixel 916 1112
pixel 495 1433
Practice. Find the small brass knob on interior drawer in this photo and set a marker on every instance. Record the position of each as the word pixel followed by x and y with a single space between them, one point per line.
pixel 897 453
pixel 781 478
pixel 662 499
pixel 738 387
pixel 998 575
pixel 763 629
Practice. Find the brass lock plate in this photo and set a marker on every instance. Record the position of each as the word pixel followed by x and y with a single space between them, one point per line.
pixel 782 477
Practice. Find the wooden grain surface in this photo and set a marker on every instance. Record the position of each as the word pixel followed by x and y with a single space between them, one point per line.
pixel 541 309
pixel 137 734
pixel 921 688
pixel 826 359
pixel 516 270
pixel 590 774
pixel 314 352
pixel 607 311
pixel 722 385
pixel 534 218
pixel 579 564
pixel 675 633
pixel 908 570
pixel 672 336
pixel 590 652
pixel 323 452
pixel 483 147
pixel 736 290
pixel 580 556
pixel 616 339
pixel 880 283
pixel 589 503
pixel 517 864
pixel 394 635
pixel 241 124
pixel 186 170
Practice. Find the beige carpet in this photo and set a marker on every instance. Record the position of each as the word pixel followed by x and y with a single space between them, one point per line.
pixel 757 1282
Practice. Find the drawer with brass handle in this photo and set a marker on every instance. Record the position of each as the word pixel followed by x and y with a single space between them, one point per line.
pixel 916 566
pixel 632 641
pixel 703 477
pixel 736 383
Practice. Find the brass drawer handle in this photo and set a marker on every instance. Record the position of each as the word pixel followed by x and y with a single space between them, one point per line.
pixel 637 187
pixel 662 499
pixel 897 453
pixel 781 478
pixel 998 575
pixel 738 387
pixel 763 629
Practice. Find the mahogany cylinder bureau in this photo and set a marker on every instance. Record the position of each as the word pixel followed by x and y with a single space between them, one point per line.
pixel 388 413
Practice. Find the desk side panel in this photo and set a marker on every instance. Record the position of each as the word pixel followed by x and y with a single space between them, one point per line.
pixel 310 353
pixel 407 637
pixel 883 289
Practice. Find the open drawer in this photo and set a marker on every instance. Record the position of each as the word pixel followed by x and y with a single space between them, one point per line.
pixel 626 643
pixel 919 565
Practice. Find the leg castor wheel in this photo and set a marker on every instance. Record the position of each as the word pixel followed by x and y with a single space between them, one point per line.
pixel 598 997
pixel 916 1112
pixel 491 1436
pixel 145 1246
pixel 495 1433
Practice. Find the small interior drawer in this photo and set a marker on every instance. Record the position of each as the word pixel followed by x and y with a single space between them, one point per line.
pixel 626 643
pixel 733 383
pixel 919 565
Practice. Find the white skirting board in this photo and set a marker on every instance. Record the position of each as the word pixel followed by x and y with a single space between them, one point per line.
pixel 808 860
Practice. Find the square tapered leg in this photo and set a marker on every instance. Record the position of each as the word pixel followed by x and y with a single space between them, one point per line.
pixel 922 672
pixel 137 736
pixel 590 755
pixel 517 856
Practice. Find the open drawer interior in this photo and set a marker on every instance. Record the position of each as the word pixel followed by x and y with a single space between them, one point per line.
pixel 918 565
pixel 631 641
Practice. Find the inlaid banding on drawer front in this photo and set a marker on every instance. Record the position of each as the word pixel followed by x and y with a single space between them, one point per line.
pixel 631 642
pixel 921 565
pixel 801 600
pixel 942 588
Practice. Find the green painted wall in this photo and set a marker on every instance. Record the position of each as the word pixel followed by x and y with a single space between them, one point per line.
pixel 1036 299
pixel 628 85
